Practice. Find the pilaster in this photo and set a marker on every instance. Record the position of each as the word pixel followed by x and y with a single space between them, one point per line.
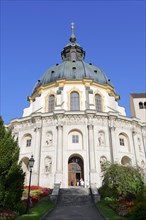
pixel 136 153
pixel 113 136
pixel 59 156
pixel 37 156
pixel 92 169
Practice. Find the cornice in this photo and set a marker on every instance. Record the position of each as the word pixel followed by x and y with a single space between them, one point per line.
pixel 113 119
pixel 61 83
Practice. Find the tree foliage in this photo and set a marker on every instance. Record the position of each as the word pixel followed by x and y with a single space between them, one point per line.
pixel 121 180
pixel 11 174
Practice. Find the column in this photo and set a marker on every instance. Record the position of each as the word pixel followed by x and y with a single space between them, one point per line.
pixel 113 137
pixel 114 150
pixel 92 170
pixel 37 156
pixel 144 148
pixel 136 153
pixel 91 148
pixel 111 144
pixel 144 140
pixel 59 156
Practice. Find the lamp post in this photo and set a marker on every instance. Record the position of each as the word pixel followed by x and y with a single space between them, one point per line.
pixel 30 166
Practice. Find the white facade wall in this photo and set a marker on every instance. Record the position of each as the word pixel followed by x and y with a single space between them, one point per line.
pixel 41 150
pixel 99 134
pixel 108 102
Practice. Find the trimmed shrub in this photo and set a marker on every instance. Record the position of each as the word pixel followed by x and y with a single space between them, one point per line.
pixel 11 174
pixel 119 180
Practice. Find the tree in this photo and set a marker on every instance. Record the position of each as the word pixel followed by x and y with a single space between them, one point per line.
pixel 121 180
pixel 11 174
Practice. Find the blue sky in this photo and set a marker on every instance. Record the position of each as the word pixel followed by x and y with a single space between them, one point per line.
pixel 33 33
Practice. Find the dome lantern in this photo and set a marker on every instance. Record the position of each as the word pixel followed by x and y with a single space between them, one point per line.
pixel 72 51
pixel 73 67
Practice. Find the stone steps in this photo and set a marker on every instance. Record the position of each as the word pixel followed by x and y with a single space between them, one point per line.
pixel 74 197
pixel 75 191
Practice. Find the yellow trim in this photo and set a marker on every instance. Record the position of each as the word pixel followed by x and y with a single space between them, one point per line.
pixel 74 89
pixel 30 99
pixel 74 82
pixel 109 89
pixel 86 82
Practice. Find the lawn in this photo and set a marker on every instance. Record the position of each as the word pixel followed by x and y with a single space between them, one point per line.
pixel 108 212
pixel 42 207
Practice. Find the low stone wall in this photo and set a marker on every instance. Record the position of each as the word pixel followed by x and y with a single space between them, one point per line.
pixel 95 194
pixel 55 193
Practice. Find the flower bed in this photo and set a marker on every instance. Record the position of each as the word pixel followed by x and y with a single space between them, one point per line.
pixel 121 206
pixel 36 193
pixel 8 215
pixel 129 206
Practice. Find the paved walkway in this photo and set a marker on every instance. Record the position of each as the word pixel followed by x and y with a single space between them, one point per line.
pixel 74 213
pixel 74 207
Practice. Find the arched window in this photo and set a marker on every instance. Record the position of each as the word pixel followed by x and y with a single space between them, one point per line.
pixel 144 104
pixel 98 103
pixel 74 101
pixel 124 142
pixel 121 140
pixel 51 103
pixel 75 139
pixel 140 105
pixel 27 140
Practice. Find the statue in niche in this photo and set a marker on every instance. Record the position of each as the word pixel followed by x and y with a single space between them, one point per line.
pixel 49 139
pixel 48 164
pixel 103 161
pixel 142 164
pixel 139 143
pixel 101 138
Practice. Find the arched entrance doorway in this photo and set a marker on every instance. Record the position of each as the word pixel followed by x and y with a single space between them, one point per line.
pixel 24 165
pixel 75 170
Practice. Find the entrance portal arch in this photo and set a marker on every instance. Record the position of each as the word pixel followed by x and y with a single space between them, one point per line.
pixel 24 165
pixel 75 170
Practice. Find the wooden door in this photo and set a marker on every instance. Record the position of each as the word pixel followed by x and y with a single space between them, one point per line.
pixel 75 171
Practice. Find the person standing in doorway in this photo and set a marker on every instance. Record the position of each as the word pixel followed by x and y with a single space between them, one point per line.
pixel 81 182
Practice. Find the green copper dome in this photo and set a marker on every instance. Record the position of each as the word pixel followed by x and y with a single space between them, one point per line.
pixel 73 67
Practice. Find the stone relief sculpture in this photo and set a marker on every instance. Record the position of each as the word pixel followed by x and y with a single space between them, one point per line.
pixel 48 164
pixel 49 138
pixel 101 138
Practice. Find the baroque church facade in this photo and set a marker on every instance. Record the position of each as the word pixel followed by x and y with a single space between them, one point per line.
pixel 74 124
